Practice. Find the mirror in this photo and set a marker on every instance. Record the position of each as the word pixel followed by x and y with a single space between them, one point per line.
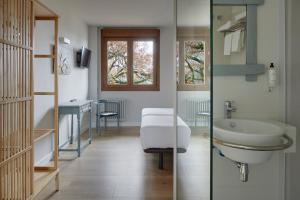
pixel 235 38
pixel 193 99
pixel 229 34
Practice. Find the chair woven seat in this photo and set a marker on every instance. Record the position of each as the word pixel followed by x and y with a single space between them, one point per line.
pixel 107 114
pixel 203 113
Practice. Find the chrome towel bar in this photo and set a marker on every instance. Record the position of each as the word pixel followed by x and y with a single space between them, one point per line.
pixel 286 144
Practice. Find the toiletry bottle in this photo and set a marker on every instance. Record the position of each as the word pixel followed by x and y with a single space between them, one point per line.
pixel 272 76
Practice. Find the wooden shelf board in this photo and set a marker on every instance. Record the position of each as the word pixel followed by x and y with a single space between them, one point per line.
pixel 49 167
pixel 41 180
pixel 39 134
pixel 44 93
pixel 44 56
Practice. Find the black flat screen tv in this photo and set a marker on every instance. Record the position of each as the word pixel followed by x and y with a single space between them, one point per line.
pixel 83 57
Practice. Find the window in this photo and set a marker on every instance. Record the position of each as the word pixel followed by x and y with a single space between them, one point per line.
pixel 130 59
pixel 192 58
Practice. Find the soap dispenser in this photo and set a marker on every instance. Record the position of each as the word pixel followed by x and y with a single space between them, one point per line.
pixel 272 76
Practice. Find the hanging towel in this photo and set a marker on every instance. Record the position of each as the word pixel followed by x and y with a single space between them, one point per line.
pixel 227 44
pixel 242 40
pixel 236 41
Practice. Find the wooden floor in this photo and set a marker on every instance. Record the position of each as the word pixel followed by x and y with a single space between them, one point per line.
pixel 114 167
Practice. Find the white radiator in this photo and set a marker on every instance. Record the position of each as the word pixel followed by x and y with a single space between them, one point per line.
pixel 114 108
pixel 192 108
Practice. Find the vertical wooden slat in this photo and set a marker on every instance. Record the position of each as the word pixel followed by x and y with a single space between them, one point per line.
pixel 28 133
pixel 1 19
pixel 5 19
pixel 23 24
pixel 31 94
pixel 1 95
pixel 1 142
pixel 56 95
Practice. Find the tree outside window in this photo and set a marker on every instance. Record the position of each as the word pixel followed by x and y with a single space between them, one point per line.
pixel 192 59
pixel 130 59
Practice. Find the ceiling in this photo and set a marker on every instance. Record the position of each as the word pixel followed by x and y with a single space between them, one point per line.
pixel 136 13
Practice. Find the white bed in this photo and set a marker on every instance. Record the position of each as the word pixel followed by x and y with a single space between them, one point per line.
pixel 157 111
pixel 157 131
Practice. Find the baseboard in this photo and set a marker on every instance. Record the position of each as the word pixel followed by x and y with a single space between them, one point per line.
pixel 45 160
pixel 83 129
pixel 122 124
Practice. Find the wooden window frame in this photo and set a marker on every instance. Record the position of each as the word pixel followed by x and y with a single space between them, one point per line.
pixel 191 33
pixel 130 35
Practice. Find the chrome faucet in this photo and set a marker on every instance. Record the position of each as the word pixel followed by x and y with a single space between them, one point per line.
pixel 228 109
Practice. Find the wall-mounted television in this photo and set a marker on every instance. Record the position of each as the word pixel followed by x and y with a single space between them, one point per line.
pixel 83 57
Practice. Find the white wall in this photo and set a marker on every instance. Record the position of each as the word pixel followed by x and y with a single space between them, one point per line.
pixel 293 95
pixel 70 86
pixel 253 101
pixel 136 100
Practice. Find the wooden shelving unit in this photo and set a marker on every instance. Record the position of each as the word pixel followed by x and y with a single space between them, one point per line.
pixel 42 179
pixel 43 175
pixel 44 56
pixel 39 134
pixel 19 179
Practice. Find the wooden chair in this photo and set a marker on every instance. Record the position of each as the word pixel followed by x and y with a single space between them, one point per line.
pixel 107 109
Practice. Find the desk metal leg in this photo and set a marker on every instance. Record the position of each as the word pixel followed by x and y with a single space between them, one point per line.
pixel 90 126
pixel 78 136
pixel 97 119
pixel 118 121
pixel 71 139
pixel 97 124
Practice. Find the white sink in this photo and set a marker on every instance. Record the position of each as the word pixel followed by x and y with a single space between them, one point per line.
pixel 247 132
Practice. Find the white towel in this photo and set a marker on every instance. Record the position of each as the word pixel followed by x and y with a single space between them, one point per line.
pixel 242 40
pixel 236 41
pixel 227 44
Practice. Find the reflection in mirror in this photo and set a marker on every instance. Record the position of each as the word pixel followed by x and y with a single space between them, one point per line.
pixel 229 34
pixel 193 97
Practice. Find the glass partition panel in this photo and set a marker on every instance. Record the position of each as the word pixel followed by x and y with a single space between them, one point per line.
pixel 245 166
pixel 193 99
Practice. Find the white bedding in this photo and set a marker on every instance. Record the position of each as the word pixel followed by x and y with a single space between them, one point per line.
pixel 157 111
pixel 157 130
